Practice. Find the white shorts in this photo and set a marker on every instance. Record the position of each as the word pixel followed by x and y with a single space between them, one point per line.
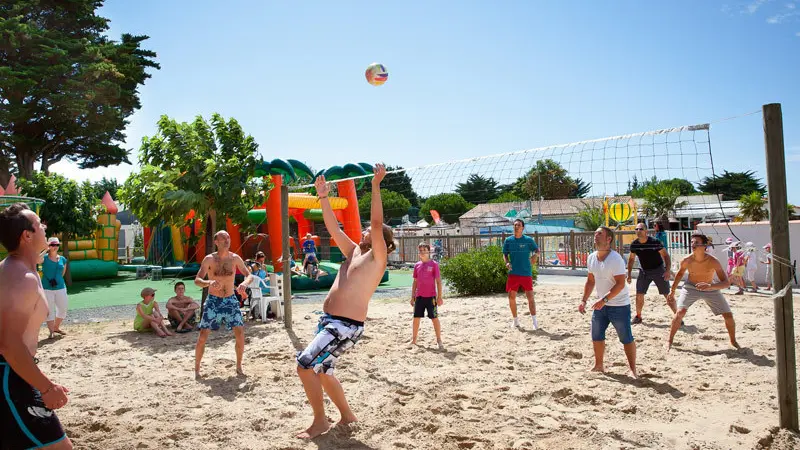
pixel 57 303
pixel 751 274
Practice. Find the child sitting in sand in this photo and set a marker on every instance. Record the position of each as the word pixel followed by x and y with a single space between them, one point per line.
pixel 426 293
pixel 148 316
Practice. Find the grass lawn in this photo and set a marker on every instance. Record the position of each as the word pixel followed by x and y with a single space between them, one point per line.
pixel 125 289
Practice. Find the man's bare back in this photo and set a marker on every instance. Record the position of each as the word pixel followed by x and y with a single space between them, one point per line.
pixel 354 285
pixel 28 292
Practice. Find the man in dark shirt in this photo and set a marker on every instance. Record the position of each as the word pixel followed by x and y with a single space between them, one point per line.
pixel 655 266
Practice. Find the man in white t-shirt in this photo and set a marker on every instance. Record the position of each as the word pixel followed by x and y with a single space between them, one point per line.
pixel 612 304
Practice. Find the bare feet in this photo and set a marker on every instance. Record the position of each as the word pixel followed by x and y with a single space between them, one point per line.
pixel 669 345
pixel 239 371
pixel 60 332
pixel 314 430
pixel 348 419
pixel 197 375
pixel 597 369
pixel 735 344
pixel 441 346
pixel 632 374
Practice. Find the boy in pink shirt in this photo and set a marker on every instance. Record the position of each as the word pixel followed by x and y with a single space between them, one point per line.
pixel 426 293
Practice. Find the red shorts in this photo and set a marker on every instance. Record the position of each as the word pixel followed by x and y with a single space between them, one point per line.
pixel 515 282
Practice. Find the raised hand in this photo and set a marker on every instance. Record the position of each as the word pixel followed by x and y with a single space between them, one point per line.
pixel 380 172
pixel 323 188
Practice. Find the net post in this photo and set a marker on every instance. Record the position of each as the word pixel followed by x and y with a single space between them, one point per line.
pixel 781 273
pixel 287 266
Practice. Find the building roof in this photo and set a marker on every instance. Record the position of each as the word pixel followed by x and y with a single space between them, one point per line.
pixel 561 207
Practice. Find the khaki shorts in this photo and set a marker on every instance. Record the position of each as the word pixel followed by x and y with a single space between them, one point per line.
pixel 714 299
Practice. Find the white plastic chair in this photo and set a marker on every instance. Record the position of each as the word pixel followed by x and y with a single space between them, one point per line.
pixel 273 295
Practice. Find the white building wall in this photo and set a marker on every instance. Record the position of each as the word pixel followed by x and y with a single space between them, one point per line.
pixel 756 232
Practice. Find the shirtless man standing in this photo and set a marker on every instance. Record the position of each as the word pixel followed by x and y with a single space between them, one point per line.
pixel 221 304
pixel 345 307
pixel 700 285
pixel 27 419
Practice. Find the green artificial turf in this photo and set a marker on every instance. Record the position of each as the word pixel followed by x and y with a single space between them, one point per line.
pixel 125 289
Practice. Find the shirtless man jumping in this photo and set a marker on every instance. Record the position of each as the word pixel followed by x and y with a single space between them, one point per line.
pixel 700 285
pixel 221 304
pixel 345 307
pixel 27 419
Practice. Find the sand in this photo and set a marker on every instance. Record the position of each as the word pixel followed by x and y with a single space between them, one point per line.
pixel 493 387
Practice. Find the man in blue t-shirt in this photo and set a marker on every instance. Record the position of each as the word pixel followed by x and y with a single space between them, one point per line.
pixel 520 252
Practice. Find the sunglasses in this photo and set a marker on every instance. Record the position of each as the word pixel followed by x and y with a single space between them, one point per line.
pixel 54 245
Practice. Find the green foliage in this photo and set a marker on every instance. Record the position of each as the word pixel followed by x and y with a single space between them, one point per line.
pixel 208 168
pixel 449 206
pixel 733 185
pixel 395 206
pixel 591 217
pixel 70 209
pixel 549 180
pixel 753 207
pixel 478 189
pixel 395 182
pixel 507 197
pixel 636 188
pixel 661 199
pixel 109 185
pixel 66 88
pixel 581 190
pixel 478 272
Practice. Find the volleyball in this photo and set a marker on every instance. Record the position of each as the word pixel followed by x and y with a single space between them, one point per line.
pixel 376 74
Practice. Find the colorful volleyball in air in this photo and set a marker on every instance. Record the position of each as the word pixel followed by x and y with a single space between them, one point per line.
pixel 376 74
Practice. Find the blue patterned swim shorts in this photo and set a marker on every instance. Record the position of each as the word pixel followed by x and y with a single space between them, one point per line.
pixel 219 309
pixel 335 335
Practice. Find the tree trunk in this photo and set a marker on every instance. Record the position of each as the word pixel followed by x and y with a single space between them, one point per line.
pixel 210 223
pixel 5 170
pixel 25 164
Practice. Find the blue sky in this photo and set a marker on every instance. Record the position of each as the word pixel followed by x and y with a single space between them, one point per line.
pixel 467 78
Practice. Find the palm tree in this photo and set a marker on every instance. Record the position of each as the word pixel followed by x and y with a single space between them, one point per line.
pixel 661 200
pixel 752 207
pixel 591 217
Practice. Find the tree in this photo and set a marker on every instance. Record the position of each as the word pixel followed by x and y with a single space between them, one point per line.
pixel 66 88
pixel 661 200
pixel 395 206
pixel 398 182
pixel 109 185
pixel 733 185
pixel 449 206
pixel 581 190
pixel 636 189
pixel 507 197
pixel 70 209
pixel 547 180
pixel 478 189
pixel 591 217
pixel 752 207
pixel 208 168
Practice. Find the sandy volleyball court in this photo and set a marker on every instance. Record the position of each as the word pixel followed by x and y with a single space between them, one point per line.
pixel 492 388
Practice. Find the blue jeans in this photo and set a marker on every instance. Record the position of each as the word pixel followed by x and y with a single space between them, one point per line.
pixel 619 316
